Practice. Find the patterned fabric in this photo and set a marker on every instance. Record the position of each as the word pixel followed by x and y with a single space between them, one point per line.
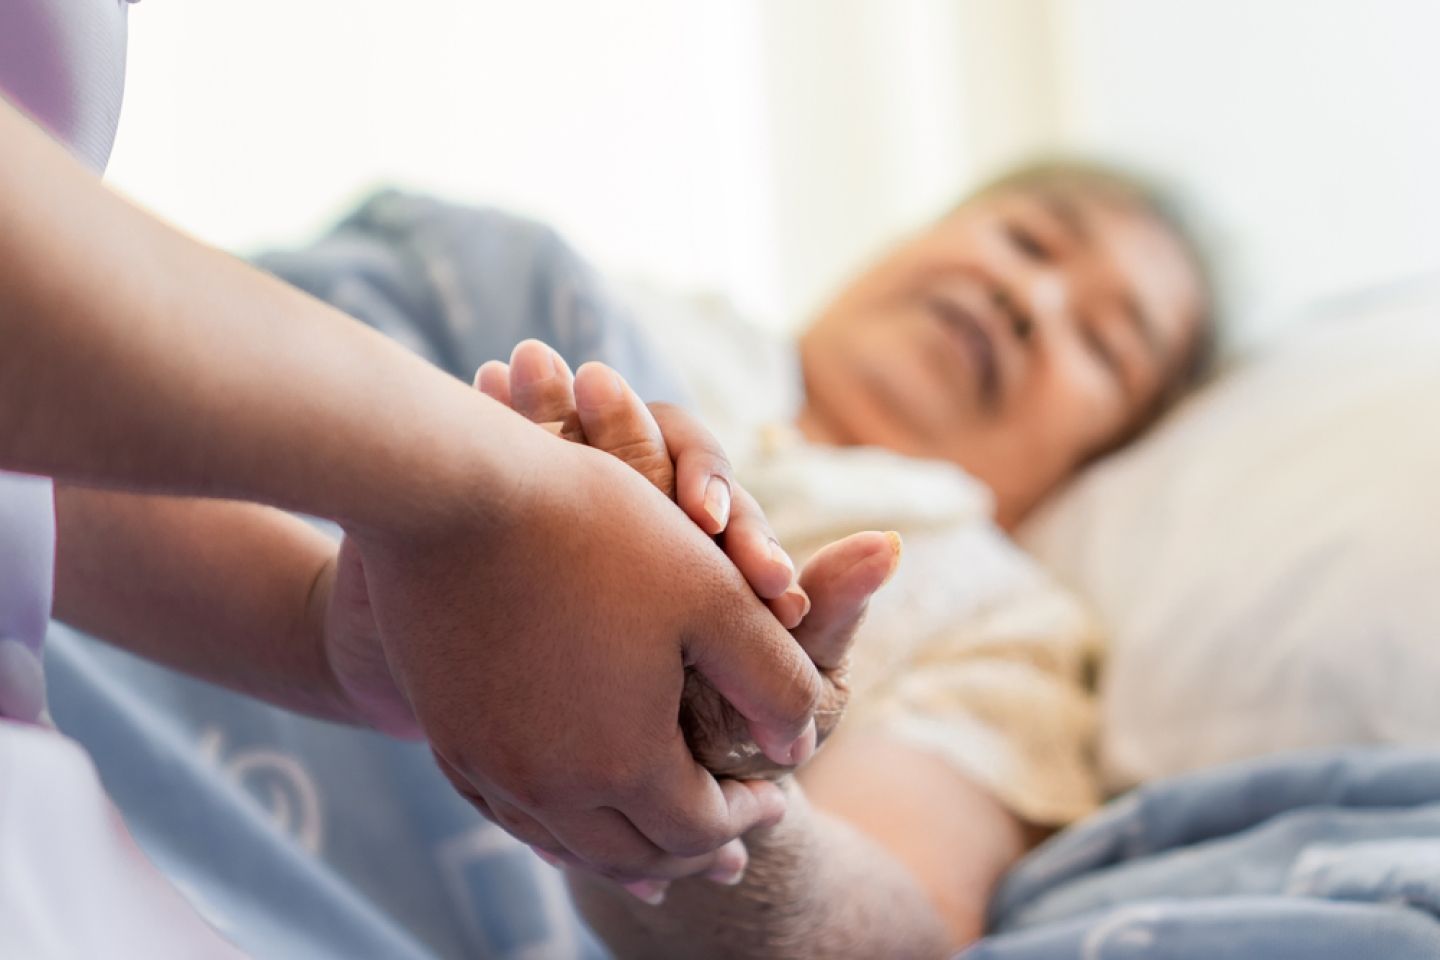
pixel 299 839
pixel 1316 855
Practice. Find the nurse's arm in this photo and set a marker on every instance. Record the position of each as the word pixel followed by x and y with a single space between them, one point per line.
pixel 497 562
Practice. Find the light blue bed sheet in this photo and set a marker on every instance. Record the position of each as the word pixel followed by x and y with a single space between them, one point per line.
pixel 1321 855
pixel 299 839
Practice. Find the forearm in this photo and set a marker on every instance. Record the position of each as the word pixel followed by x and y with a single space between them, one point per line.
pixel 816 889
pixel 222 590
pixel 132 356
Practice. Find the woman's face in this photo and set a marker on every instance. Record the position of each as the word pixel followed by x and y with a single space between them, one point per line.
pixel 1024 333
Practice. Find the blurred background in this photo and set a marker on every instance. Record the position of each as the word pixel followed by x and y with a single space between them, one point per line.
pixel 765 149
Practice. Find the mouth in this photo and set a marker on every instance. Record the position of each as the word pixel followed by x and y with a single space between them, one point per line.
pixel 968 335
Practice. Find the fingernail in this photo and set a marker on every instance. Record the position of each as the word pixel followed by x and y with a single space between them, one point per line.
pixel 651 891
pixel 895 563
pixel 733 859
pixel 717 501
pixel 727 876
pixel 804 747
pixel 771 745
pixel 802 598
pixel 781 557
pixel 553 427
pixel 551 859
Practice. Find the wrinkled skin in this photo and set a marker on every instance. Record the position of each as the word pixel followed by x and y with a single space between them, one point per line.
pixel 720 738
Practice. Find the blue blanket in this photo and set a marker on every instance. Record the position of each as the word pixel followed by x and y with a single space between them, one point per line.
pixel 1318 855
pixel 462 285
pixel 302 839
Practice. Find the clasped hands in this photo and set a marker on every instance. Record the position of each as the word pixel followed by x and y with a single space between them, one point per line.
pixel 623 703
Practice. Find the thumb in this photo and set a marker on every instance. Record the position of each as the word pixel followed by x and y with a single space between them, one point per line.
pixel 840 579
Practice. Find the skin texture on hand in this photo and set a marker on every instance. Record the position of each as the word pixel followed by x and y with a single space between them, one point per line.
pixel 661 442
pixel 575 746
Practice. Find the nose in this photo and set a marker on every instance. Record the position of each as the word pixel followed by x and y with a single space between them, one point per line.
pixel 1047 298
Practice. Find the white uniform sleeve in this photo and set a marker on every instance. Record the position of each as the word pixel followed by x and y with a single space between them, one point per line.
pixel 72 882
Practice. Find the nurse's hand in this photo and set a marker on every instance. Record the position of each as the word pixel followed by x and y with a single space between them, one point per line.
pixel 678 455
pixel 545 661
pixel 665 444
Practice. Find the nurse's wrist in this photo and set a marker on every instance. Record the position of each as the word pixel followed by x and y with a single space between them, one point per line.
pixel 460 472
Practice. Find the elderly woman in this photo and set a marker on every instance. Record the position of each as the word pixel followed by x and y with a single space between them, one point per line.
pixel 1044 322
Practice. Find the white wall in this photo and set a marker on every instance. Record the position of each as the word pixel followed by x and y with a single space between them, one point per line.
pixel 1309 130
pixel 767 148
pixel 638 126
pixel 867 117
pixel 763 148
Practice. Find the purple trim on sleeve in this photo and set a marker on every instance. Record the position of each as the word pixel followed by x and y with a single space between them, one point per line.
pixel 63 62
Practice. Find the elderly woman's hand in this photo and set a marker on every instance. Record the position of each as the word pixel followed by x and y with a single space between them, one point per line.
pixel 678 455
pixel 840 579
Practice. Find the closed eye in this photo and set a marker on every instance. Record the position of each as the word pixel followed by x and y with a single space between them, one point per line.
pixel 1020 322
pixel 1028 243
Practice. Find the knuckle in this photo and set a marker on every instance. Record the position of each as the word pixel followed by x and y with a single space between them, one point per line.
pixel 644 455
pixel 718 464
pixel 798 697
pixel 618 778
pixel 699 838
pixel 514 823
pixel 626 865
pixel 678 422
pixel 745 506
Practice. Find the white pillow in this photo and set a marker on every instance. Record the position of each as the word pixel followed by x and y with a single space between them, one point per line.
pixel 1268 560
